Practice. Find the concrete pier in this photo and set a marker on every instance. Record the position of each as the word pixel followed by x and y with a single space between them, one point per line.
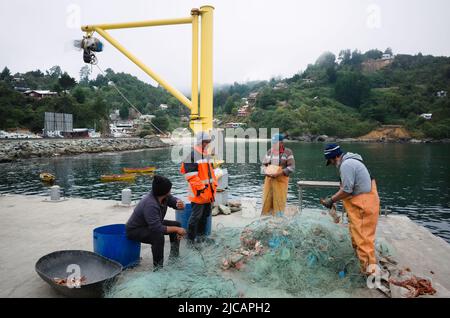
pixel 32 227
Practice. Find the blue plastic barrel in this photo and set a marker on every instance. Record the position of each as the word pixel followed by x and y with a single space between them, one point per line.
pixel 111 241
pixel 183 218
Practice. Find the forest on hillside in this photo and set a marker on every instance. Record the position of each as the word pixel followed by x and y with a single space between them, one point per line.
pixel 336 96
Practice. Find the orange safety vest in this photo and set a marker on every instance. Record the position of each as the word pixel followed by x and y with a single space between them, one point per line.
pixel 199 173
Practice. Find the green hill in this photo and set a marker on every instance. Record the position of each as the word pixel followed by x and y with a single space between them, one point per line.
pixel 90 101
pixel 344 96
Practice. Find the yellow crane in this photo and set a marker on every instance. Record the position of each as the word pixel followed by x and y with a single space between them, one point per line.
pixel 201 117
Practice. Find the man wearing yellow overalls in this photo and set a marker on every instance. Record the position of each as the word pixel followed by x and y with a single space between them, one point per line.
pixel 359 195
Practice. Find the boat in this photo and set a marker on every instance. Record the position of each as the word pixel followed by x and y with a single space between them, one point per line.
pixel 139 170
pixel 117 177
pixel 47 177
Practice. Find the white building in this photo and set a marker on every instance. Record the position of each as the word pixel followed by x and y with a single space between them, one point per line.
pixel 441 94
pixel 164 106
pixel 281 85
pixel 146 118
pixel 426 116
pixel 40 93
pixel 234 125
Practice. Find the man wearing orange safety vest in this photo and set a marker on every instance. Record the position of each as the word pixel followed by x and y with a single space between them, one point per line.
pixel 198 171
pixel 359 196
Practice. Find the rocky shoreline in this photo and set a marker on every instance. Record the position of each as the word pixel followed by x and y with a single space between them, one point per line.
pixel 11 150
pixel 325 138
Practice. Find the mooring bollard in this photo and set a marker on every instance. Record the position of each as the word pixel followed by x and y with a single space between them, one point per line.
pixel 55 193
pixel 126 196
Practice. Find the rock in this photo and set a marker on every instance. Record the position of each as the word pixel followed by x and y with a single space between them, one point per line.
pixel 415 141
pixel 321 138
pixel 234 209
pixel 215 211
pixel 304 138
pixel 16 149
pixel 324 138
pixel 234 204
pixel 348 140
pixel 224 209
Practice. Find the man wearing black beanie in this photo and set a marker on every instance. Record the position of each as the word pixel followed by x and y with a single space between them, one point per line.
pixel 147 224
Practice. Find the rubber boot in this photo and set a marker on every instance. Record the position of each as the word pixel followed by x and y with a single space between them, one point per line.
pixel 174 249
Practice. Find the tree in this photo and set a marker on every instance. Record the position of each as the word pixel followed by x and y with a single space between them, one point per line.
pixel 357 58
pixel 5 75
pixel 66 82
pixel 373 54
pixel 447 72
pixel 266 99
pixel 351 88
pixel 345 56
pixel 161 120
pixel 229 104
pixel 124 112
pixel 326 60
pixel 54 72
pixel 85 72
pixel 79 95
pixel 331 74
pixel 389 51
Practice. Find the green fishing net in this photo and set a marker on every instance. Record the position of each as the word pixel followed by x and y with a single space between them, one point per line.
pixel 303 256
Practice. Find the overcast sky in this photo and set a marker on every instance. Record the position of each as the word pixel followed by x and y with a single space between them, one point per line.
pixel 253 39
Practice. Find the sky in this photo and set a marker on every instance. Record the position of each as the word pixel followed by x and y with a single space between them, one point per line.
pixel 253 39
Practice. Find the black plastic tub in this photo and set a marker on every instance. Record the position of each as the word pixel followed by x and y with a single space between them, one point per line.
pixel 98 271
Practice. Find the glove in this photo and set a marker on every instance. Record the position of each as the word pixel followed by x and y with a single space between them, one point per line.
pixel 328 202
pixel 202 190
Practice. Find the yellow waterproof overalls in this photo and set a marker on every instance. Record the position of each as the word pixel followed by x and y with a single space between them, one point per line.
pixel 363 210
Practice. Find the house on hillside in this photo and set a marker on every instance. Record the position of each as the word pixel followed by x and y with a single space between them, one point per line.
pixel 146 118
pixel 114 115
pixel 234 125
pixel 441 94
pixel 281 85
pixel 244 111
pixel 39 94
pixel 426 116
pixel 252 98
pixel 387 57
pixel 163 106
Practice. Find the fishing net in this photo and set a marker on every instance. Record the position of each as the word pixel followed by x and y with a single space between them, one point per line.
pixel 304 256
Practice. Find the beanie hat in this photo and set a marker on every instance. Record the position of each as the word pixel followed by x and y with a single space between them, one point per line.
pixel 161 185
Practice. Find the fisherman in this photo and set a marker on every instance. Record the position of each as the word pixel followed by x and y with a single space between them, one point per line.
pixel 278 165
pixel 147 224
pixel 198 171
pixel 359 195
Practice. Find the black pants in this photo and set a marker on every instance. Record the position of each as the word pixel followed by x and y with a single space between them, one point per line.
pixel 144 235
pixel 198 220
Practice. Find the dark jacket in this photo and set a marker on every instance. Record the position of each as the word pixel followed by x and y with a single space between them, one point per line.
pixel 150 213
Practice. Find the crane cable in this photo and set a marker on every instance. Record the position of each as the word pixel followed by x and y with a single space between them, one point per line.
pixel 126 99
